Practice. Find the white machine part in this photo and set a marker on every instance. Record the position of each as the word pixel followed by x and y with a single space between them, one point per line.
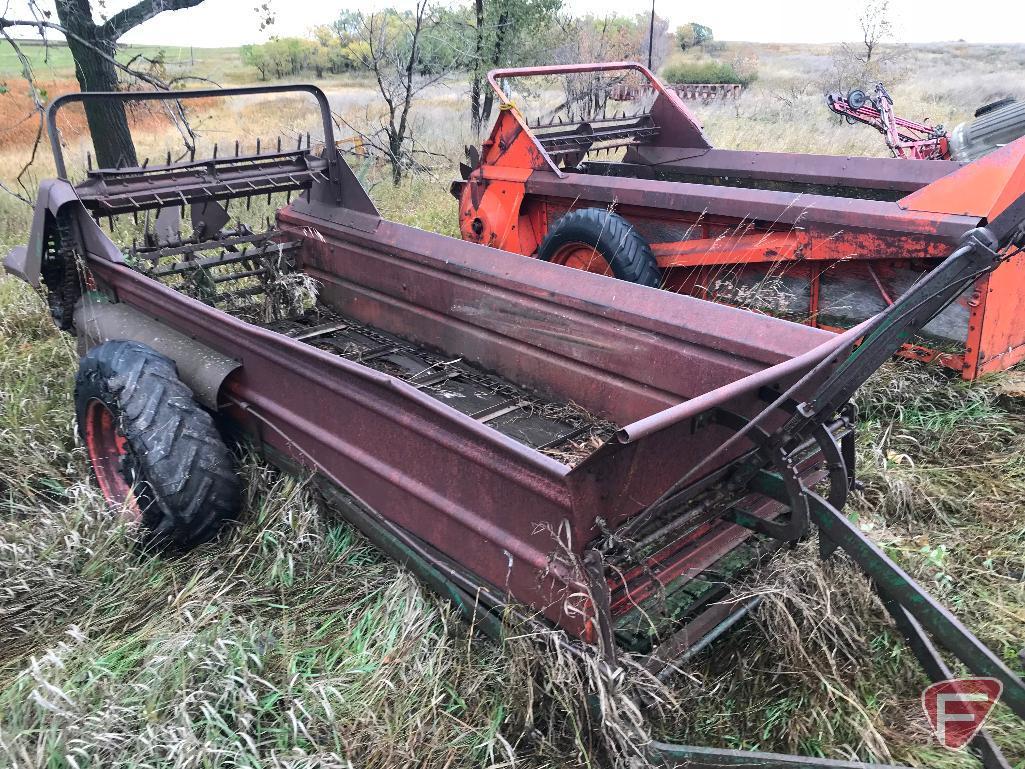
pixel 994 126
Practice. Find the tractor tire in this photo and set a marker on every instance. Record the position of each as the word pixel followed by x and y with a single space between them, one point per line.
pixel 993 106
pixel 597 240
pixel 155 452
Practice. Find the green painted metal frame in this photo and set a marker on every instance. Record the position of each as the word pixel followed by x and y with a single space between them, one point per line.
pixel 489 612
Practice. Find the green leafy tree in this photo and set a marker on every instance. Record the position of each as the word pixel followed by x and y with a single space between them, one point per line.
pixel 294 56
pixel 256 56
pixel 330 50
pixel 693 35
pixel 506 33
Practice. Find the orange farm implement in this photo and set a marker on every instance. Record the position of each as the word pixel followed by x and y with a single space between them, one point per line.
pixel 636 190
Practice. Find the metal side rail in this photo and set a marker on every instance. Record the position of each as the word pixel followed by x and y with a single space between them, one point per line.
pixel 693 757
pixel 898 588
pixel 981 745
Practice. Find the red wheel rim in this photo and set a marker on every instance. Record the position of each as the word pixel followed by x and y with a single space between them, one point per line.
pixel 581 256
pixel 107 449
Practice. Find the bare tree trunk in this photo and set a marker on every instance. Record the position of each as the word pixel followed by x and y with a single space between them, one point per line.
pixel 486 107
pixel 477 80
pixel 496 59
pixel 476 83
pixel 395 153
pixel 108 123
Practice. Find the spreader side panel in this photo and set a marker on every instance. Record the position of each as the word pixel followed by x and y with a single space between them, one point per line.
pixel 619 350
pixel 466 489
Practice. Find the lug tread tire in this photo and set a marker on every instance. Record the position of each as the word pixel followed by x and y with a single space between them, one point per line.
pixel 993 106
pixel 185 475
pixel 612 236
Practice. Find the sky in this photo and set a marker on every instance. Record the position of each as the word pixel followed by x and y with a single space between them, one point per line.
pixel 234 22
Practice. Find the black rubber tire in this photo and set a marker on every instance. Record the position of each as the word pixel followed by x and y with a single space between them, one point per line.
pixel 612 236
pixel 993 106
pixel 856 99
pixel 183 475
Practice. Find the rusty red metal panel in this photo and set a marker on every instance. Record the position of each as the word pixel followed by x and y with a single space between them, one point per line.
pixel 458 484
pixel 743 204
pixel 454 482
pixel 809 168
pixel 555 318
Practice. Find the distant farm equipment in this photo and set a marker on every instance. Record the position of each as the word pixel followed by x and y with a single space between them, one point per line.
pixel 995 125
pixel 636 190
pixel 703 92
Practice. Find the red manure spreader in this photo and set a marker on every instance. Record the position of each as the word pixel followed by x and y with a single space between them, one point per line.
pixel 536 444
pixel 636 190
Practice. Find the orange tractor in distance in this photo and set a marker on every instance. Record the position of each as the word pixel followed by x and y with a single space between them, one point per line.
pixel 635 190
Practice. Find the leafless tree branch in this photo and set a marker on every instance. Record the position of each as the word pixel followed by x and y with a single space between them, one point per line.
pixel 39 107
pixel 141 12
pixel 41 26
pixel 397 72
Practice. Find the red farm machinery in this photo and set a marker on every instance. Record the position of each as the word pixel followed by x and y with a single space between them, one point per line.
pixel 536 444
pixel 636 190
pixel 996 124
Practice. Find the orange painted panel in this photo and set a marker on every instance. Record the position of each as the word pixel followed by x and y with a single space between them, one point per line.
pixel 1002 341
pixel 983 188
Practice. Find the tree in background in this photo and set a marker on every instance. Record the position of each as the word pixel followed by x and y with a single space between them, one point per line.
pixel 393 46
pixel 407 51
pixel 607 38
pixel 871 60
pixel 93 45
pixel 293 56
pixel 876 27
pixel 614 38
pixel 342 47
pixel 693 35
pixel 506 33
pixel 661 41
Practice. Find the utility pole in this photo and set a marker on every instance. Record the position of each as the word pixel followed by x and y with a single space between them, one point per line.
pixel 651 33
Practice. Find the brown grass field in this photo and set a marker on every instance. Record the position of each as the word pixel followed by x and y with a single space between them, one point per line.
pixel 290 642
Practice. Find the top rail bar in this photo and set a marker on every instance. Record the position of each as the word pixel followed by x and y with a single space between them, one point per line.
pixel 702 403
pixel 136 96
pixel 575 69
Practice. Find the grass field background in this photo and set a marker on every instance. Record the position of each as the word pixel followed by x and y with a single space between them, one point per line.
pixel 54 61
pixel 291 642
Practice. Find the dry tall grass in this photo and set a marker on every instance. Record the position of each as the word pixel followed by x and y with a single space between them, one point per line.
pixel 784 109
